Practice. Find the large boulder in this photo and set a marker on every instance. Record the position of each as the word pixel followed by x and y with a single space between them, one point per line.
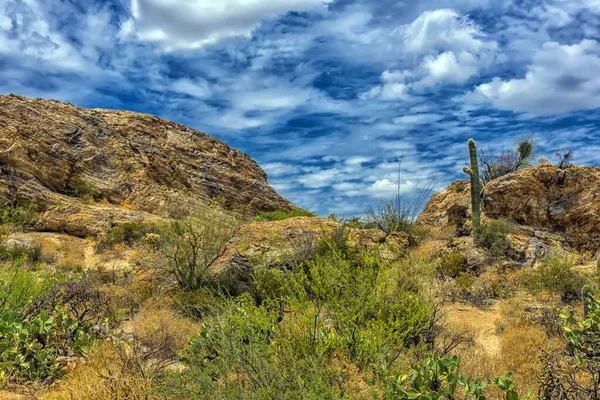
pixel 546 201
pixel 118 164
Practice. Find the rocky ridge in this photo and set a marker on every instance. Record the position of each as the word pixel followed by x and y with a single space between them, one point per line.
pixel 88 169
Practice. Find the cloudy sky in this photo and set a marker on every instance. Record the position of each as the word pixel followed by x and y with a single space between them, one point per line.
pixel 326 94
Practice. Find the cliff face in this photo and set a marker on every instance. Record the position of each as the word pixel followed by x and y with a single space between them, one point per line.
pixel 128 164
pixel 563 202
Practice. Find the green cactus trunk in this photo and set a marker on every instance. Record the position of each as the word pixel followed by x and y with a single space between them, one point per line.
pixel 475 187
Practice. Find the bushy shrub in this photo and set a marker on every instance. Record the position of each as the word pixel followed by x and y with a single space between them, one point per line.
pixel 281 215
pixel 185 249
pixel 29 252
pixel 127 233
pixel 19 216
pixel 507 161
pixel 575 372
pixel 243 353
pixel 493 237
pixel 556 275
pixel 452 264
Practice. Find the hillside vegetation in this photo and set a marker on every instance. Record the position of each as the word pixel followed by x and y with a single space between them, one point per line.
pixel 491 293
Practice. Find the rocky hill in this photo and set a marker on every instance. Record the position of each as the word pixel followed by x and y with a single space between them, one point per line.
pixel 545 200
pixel 91 168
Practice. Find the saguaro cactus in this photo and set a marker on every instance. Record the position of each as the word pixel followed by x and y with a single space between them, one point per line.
pixel 473 171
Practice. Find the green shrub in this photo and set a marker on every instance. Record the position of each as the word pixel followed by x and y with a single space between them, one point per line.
pixel 280 215
pixel 19 286
pixel 574 373
pixel 127 233
pixel 31 253
pixel 185 249
pixel 19 216
pixel 242 353
pixel 84 190
pixel 556 275
pixel 492 236
pixel 452 264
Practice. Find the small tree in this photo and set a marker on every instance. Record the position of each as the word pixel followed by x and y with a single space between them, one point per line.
pixel 507 161
pixel 187 248
pixel 564 159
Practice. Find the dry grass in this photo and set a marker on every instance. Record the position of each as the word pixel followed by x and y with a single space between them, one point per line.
pixel 105 376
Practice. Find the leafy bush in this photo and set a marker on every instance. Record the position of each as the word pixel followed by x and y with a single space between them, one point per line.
pixel 19 216
pixel 280 215
pixel 243 354
pixel 19 286
pixel 452 264
pixel 187 248
pixel 556 275
pixel 492 236
pixel 31 253
pixel 575 372
pixel 83 189
pixel 436 378
pixel 127 233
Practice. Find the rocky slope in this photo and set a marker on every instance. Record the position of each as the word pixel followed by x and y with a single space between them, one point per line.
pixel 91 168
pixel 545 200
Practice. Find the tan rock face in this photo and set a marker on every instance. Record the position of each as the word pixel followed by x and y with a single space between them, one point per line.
pixel 546 198
pixel 280 242
pixel 53 152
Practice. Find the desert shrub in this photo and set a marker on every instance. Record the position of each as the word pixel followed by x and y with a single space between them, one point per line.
pixel 507 161
pixel 556 275
pixel 127 233
pixel 185 249
pixel 18 286
pixel 242 354
pixel 83 189
pixel 350 222
pixel 575 372
pixel 564 159
pixel 439 378
pixel 375 311
pixel 280 215
pixel 197 304
pixel 493 237
pixel 452 264
pixel 29 252
pixel 19 216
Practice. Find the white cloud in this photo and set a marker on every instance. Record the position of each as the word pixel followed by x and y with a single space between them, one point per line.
pixel 192 24
pixel 279 169
pixel 561 78
pixel 418 119
pixel 443 30
pixel 196 88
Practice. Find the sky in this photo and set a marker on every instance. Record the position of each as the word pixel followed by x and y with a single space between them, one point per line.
pixel 326 95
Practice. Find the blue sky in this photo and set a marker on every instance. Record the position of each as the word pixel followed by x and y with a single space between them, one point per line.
pixel 326 94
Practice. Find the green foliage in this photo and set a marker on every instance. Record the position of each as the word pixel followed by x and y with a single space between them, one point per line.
pixel 37 347
pixel 127 233
pixel 186 248
pixel 350 222
pixel 436 378
pixel 493 236
pixel 31 253
pixel 19 286
pixel 452 264
pixel 19 216
pixel 243 353
pixel 575 374
pixel 280 215
pixel 556 275
pixel 476 187
pixel 83 189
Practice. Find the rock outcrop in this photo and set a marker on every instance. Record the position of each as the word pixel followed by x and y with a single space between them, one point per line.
pixel 545 201
pixel 281 242
pixel 91 168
